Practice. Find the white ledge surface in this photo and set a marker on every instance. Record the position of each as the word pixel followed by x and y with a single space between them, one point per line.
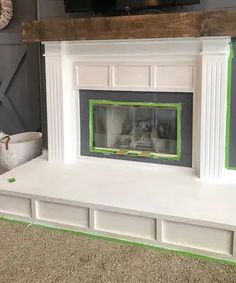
pixel 154 189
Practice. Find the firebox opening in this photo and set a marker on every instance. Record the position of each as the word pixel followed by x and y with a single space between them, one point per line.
pixel 150 130
pixel 137 126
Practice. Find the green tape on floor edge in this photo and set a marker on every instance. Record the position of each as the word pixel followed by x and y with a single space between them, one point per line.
pixel 122 241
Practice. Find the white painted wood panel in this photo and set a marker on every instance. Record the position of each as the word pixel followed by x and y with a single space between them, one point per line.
pixel 92 76
pixel 55 114
pixel 213 116
pixel 198 237
pixel 116 214
pixel 132 76
pixel 185 65
pixel 15 205
pixel 61 213
pixel 174 77
pixel 125 224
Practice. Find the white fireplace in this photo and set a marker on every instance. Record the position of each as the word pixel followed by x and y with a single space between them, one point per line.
pixel 196 66
pixel 156 204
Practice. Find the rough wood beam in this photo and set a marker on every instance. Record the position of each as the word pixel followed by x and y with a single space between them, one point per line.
pixel 168 25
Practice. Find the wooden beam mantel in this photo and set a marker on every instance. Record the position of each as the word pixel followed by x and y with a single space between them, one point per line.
pixel 166 25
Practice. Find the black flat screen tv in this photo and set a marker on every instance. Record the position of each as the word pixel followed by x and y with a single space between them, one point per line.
pixel 113 6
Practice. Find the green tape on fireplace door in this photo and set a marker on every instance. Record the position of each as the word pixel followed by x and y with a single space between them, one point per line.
pixel 229 109
pixel 137 153
pixel 91 124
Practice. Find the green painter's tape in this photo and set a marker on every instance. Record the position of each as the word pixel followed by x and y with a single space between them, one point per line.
pixel 123 241
pixel 123 103
pixel 179 113
pixel 135 153
pixel 11 180
pixel 91 125
pixel 229 109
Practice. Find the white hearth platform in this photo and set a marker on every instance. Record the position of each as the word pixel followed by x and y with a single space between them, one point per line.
pixel 161 205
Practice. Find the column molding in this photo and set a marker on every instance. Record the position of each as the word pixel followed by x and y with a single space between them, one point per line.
pixel 54 88
pixel 215 55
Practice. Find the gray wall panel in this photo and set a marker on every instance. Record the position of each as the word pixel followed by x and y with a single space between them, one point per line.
pixel 20 108
pixel 51 9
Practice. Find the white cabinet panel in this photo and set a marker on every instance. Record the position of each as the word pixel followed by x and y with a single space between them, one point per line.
pixel 62 213
pixel 92 76
pixel 134 77
pixel 174 77
pixel 15 205
pixel 198 237
pixel 125 224
pixel 131 76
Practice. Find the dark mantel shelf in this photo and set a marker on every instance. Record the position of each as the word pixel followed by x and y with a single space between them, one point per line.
pixel 166 25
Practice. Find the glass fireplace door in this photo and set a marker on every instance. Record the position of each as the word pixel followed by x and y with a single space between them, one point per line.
pixel 134 128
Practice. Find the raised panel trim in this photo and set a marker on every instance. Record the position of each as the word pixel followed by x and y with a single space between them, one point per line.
pixel 131 76
pixel 63 213
pixel 145 227
pixel 126 224
pixel 110 79
pixel 89 75
pixel 198 237
pixel 14 205
pixel 174 77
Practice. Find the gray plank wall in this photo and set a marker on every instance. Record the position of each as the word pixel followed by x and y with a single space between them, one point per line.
pixel 54 8
pixel 20 103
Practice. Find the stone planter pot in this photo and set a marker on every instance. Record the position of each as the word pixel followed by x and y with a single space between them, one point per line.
pixel 18 149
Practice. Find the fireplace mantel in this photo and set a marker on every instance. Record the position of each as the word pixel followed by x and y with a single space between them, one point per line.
pixel 198 66
pixel 166 25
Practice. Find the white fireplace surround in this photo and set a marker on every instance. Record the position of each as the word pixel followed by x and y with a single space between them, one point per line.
pixel 192 65
pixel 155 204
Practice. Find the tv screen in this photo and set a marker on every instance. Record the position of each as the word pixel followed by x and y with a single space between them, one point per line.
pixel 145 4
pixel 111 6
pixel 78 6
